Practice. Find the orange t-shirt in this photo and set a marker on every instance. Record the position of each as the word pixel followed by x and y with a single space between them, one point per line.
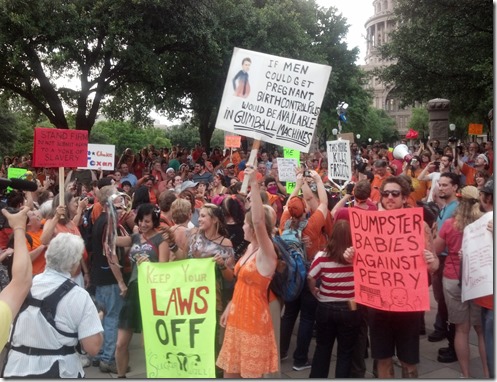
pixel 470 173
pixel 485 301
pixel 40 262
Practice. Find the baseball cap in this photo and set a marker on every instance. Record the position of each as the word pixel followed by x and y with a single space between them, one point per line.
pixel 170 169
pixel 230 165
pixel 488 188
pixel 188 184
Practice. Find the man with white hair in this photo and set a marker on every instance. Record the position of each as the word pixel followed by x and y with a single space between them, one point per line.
pixel 55 318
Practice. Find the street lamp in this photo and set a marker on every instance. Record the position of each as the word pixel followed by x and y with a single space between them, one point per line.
pixel 369 140
pixel 334 132
pixel 452 138
pixel 358 136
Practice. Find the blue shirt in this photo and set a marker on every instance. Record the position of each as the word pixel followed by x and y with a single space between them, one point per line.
pixel 444 214
pixel 130 178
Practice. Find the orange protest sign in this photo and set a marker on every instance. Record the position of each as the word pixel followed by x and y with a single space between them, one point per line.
pixel 232 141
pixel 389 268
pixel 475 129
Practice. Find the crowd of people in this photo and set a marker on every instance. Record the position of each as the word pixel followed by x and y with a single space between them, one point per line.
pixel 163 205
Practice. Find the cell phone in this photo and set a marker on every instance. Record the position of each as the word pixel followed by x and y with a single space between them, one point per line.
pixel 436 163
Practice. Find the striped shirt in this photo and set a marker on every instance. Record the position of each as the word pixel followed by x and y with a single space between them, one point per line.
pixel 337 280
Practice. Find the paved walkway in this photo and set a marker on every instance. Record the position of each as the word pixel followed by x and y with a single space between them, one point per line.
pixel 427 368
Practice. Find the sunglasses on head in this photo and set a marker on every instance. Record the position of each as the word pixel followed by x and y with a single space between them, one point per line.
pixel 394 193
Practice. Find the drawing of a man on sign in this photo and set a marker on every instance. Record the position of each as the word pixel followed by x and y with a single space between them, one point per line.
pixel 281 104
pixel 339 160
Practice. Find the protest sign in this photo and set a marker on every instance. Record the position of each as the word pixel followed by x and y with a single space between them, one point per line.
pixel 348 137
pixel 13 172
pixel 178 308
pixel 286 169
pixel 232 141
pixel 60 147
pixel 339 160
pixel 475 129
pixel 273 99
pixel 389 268
pixel 477 259
pixel 100 157
pixel 291 154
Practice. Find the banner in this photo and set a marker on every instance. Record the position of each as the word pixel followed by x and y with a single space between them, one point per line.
pixel 286 169
pixel 339 160
pixel 273 99
pixel 178 308
pixel 60 147
pixel 232 141
pixel 477 259
pixel 100 157
pixel 291 154
pixel 389 268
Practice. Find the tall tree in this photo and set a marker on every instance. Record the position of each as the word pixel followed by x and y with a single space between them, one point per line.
pixel 443 49
pixel 96 46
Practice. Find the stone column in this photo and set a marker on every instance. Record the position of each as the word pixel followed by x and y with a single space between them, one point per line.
pixel 438 114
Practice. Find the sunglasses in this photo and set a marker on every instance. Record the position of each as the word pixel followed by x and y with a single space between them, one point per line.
pixel 394 193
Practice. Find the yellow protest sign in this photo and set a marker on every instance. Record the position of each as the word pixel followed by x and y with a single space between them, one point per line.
pixel 178 308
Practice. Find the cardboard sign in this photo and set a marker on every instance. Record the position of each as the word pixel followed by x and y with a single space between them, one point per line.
pixel 477 259
pixel 348 137
pixel 339 160
pixel 389 268
pixel 100 157
pixel 273 99
pixel 475 129
pixel 234 141
pixel 60 147
pixel 178 308
pixel 286 169
pixel 291 154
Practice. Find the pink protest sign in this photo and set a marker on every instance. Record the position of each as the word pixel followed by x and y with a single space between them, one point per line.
pixel 389 268
pixel 60 147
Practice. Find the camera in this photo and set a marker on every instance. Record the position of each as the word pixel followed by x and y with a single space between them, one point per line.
pixel 307 173
pixel 91 200
pixel 452 139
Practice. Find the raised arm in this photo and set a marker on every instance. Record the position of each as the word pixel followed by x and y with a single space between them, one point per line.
pixel 266 257
pixel 16 291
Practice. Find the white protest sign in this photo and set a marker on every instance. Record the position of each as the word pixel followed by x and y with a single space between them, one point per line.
pixel 477 259
pixel 286 169
pixel 339 160
pixel 273 99
pixel 100 157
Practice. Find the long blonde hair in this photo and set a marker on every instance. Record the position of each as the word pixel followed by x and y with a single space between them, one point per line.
pixel 466 213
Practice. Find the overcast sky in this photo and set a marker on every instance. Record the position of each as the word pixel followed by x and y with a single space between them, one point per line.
pixel 356 12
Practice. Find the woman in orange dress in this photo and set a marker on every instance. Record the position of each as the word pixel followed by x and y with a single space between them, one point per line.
pixel 249 347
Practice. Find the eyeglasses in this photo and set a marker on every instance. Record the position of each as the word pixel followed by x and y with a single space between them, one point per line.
pixel 394 193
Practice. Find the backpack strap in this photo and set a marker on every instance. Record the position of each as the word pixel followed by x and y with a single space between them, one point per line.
pixel 49 304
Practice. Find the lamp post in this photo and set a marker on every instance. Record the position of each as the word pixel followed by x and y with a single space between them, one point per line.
pixel 452 138
pixel 369 140
pixel 334 132
pixel 341 110
pixel 358 136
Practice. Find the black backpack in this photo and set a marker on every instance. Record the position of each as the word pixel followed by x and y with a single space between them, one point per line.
pixel 86 229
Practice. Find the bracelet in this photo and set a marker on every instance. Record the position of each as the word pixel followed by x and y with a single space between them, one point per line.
pixel 173 247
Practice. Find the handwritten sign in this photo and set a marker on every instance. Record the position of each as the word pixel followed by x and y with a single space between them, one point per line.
pixel 286 169
pixel 100 157
pixel 477 259
pixel 13 172
pixel 475 129
pixel 273 99
pixel 178 308
pixel 389 268
pixel 339 160
pixel 289 153
pixel 60 147
pixel 234 141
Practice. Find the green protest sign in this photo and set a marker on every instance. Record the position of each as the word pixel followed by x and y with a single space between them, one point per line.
pixel 13 172
pixel 295 154
pixel 178 308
